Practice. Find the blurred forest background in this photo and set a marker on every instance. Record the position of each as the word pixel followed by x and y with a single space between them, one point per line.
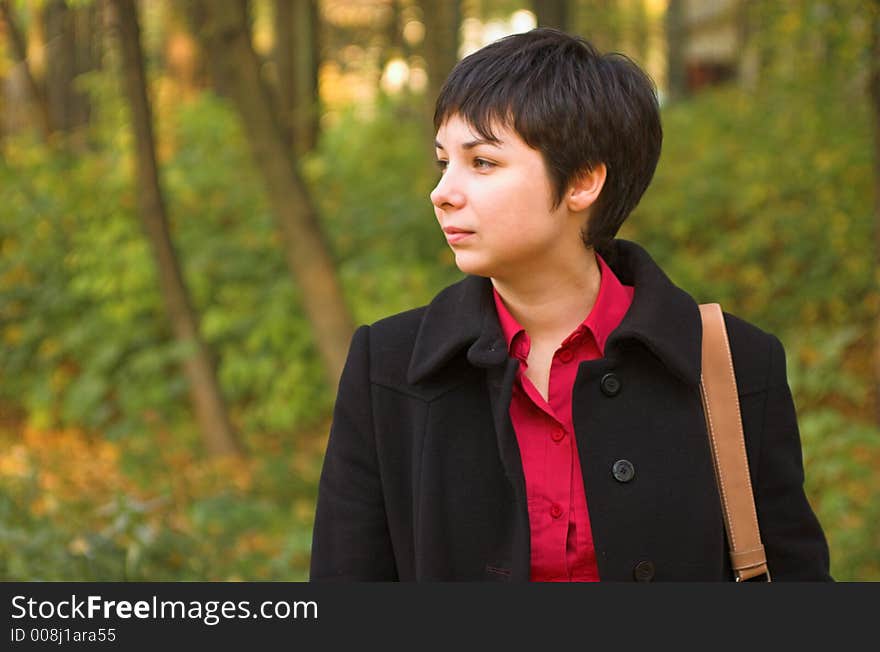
pixel 199 199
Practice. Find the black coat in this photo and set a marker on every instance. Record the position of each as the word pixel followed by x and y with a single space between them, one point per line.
pixel 423 480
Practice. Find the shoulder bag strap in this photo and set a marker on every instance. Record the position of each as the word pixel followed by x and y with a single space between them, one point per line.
pixel 721 408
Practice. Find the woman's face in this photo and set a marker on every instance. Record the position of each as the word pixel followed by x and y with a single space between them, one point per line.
pixel 494 203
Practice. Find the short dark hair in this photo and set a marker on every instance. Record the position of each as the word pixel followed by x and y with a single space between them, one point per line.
pixel 576 106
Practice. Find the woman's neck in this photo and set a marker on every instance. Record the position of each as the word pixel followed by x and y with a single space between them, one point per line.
pixel 549 305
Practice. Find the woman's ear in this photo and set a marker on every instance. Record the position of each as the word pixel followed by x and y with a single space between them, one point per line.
pixel 585 189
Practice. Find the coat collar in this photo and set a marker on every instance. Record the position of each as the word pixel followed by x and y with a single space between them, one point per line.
pixel 662 317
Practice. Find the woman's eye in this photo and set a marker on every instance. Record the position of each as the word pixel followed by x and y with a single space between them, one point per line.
pixel 441 165
pixel 483 164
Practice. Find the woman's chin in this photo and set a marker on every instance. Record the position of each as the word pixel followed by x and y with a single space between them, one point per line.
pixel 470 264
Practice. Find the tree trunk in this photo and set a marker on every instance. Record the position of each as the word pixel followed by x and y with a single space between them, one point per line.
pixel 297 58
pixel 284 64
pixel 210 408
pixel 442 20
pixel 88 56
pixel 19 51
pixel 231 56
pixel 60 61
pixel 394 45
pixel 552 13
pixel 676 43
pixel 875 102
pixel 306 108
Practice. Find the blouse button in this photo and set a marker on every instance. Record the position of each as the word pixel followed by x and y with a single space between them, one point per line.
pixel 555 511
pixel 566 355
pixel 558 434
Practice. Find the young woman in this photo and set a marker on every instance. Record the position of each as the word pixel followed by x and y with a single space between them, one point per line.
pixel 541 419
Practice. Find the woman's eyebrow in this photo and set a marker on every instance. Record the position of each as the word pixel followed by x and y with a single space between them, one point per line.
pixel 473 143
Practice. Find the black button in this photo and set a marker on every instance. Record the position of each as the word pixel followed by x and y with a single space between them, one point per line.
pixel 610 384
pixel 644 571
pixel 623 470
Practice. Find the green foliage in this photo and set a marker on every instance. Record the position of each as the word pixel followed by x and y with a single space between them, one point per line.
pixel 763 200
pixel 249 304
pixel 71 510
pixel 840 457
pixel 82 309
pixel 77 271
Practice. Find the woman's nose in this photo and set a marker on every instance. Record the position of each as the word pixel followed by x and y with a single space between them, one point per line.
pixel 446 193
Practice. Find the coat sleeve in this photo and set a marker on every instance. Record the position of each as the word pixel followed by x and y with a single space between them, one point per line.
pixel 351 541
pixel 793 539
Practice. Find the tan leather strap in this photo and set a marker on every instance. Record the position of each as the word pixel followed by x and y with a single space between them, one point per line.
pixel 721 407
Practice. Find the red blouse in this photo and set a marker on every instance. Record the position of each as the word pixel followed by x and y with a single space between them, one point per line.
pixel 561 539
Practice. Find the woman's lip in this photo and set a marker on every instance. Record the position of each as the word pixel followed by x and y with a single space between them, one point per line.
pixel 457 236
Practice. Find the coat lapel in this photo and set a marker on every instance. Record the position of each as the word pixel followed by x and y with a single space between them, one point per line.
pixel 461 316
pixel 662 317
